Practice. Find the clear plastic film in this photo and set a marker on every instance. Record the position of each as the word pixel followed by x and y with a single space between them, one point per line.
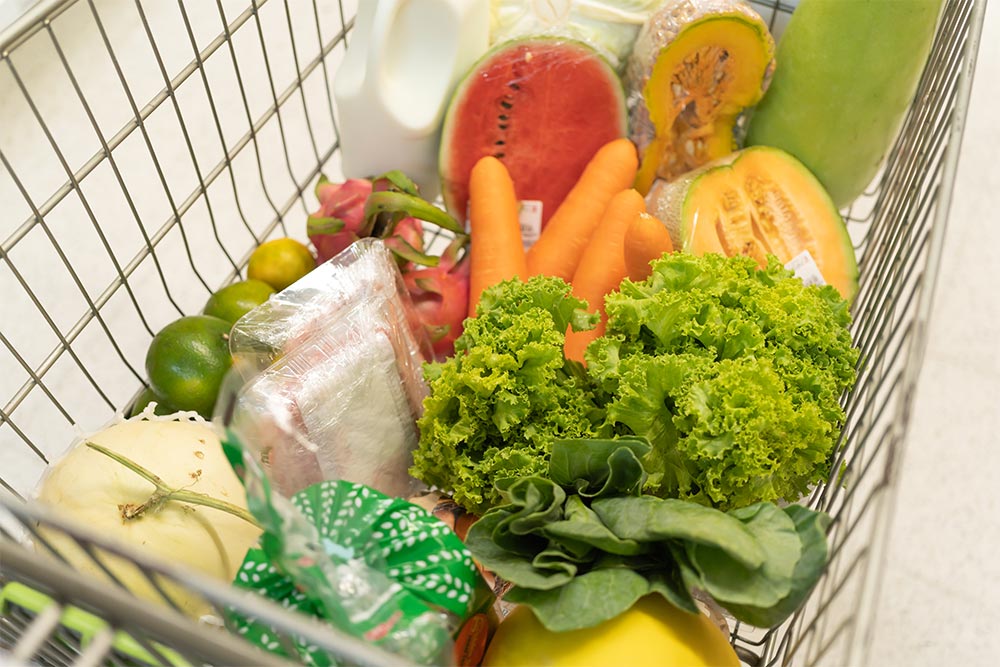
pixel 664 24
pixel 608 26
pixel 320 417
pixel 331 372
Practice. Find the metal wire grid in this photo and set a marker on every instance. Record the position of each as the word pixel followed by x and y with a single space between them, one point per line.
pixel 167 240
pixel 40 638
pixel 897 228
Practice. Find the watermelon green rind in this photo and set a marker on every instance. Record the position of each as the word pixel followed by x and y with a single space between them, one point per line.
pixel 584 132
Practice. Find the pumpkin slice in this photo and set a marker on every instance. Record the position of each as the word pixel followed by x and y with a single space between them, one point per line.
pixel 756 202
pixel 695 67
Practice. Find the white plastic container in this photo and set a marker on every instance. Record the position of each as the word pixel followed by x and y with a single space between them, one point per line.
pixel 403 60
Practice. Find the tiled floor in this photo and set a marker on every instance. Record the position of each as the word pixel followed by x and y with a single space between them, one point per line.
pixel 940 602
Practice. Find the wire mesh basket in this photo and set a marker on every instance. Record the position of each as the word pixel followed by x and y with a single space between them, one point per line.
pixel 148 148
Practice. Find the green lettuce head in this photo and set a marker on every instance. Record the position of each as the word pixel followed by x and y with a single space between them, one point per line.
pixel 733 373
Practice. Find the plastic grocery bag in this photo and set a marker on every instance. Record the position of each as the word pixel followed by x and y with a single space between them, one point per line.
pixel 377 567
pixel 329 381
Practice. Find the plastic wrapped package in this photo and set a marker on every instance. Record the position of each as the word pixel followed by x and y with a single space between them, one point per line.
pixel 331 376
pixel 320 425
pixel 693 68
pixel 609 26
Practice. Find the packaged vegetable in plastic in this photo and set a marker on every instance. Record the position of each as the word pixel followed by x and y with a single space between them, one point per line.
pixel 610 26
pixel 331 376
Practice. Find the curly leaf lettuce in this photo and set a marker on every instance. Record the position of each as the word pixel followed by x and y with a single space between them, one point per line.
pixel 496 407
pixel 733 373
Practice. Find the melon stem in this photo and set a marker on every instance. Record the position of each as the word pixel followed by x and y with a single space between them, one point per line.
pixel 165 493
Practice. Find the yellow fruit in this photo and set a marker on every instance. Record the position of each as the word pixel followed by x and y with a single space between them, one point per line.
pixel 280 262
pixel 234 301
pixel 187 361
pixel 652 632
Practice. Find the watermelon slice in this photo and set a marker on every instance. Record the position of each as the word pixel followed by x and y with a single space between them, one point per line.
pixel 543 106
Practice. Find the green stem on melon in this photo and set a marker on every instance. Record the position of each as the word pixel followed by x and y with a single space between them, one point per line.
pixel 165 493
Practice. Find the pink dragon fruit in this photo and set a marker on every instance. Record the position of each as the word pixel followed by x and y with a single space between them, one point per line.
pixel 440 296
pixel 406 241
pixel 390 207
pixel 340 220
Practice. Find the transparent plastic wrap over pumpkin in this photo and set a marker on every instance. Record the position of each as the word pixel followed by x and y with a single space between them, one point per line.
pixel 329 377
pixel 608 26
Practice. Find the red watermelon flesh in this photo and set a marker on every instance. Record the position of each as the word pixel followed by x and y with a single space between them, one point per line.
pixel 543 107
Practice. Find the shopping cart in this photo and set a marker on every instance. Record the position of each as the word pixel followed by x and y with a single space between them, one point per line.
pixel 148 147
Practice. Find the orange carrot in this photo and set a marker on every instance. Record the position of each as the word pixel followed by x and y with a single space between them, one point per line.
pixel 602 266
pixel 470 644
pixel 646 239
pixel 557 251
pixel 497 252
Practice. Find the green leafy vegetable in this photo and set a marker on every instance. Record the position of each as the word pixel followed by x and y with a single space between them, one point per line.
pixel 731 372
pixel 582 549
pixel 496 407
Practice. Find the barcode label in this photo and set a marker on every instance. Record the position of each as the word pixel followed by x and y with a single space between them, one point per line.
pixel 804 266
pixel 530 216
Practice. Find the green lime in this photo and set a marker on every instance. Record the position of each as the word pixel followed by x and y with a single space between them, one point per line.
pixel 145 398
pixel 280 262
pixel 187 361
pixel 234 301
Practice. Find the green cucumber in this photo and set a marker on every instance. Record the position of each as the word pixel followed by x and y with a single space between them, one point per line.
pixel 847 71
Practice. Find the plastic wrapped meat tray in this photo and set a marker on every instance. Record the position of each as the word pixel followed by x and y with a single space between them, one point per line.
pixel 330 374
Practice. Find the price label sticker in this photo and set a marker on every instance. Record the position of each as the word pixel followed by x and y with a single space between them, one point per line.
pixel 804 266
pixel 530 216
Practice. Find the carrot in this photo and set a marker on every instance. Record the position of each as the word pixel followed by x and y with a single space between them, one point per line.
pixel 557 251
pixel 496 250
pixel 602 266
pixel 470 644
pixel 646 239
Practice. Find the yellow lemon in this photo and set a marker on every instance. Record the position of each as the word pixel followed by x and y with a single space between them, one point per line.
pixel 652 632
pixel 280 262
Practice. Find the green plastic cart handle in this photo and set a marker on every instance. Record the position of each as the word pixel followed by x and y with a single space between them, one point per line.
pixel 85 624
